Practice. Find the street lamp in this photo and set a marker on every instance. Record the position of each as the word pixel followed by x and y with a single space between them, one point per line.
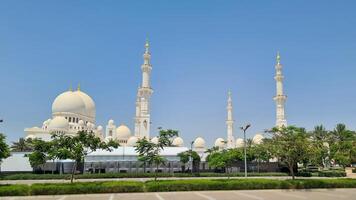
pixel 191 156
pixel 244 129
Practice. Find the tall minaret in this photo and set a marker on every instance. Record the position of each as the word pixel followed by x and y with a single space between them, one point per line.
pixel 142 119
pixel 230 123
pixel 280 98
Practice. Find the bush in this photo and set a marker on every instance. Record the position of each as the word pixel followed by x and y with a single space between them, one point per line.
pixel 14 190
pixel 332 173
pixel 304 173
pixel 86 187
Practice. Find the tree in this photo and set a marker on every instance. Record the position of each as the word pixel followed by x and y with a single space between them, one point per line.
pixel 39 156
pixel 22 145
pixel 225 159
pixel 185 156
pixel 149 152
pixel 320 139
pixel 4 148
pixel 63 146
pixel 290 145
pixel 342 148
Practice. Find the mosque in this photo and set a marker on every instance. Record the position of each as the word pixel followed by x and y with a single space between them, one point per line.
pixel 73 111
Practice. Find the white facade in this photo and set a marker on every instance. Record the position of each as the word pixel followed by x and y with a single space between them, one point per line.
pixel 143 118
pixel 280 98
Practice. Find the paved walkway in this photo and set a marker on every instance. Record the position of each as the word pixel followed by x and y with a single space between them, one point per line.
pixel 315 194
pixel 29 182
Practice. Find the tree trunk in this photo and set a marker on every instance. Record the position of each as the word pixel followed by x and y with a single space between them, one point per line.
pixel 156 172
pixel 73 170
pixel 291 169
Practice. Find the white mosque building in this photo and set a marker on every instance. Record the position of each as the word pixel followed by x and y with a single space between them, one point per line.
pixel 73 111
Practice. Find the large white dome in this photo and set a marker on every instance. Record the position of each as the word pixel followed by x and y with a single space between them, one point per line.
pixel 219 143
pixel 89 103
pixel 239 143
pixel 132 141
pixel 199 143
pixel 74 102
pixel 123 132
pixel 178 142
pixel 257 139
pixel 58 123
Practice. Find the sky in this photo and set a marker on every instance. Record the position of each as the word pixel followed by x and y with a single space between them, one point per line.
pixel 200 49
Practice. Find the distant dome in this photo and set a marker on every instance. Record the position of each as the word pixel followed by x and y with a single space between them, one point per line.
pixel 199 142
pixel 132 141
pixel 178 142
pixel 257 139
pixel 111 122
pixel 81 123
pixel 219 143
pixel 58 123
pixel 89 103
pixel 123 132
pixel 154 140
pixel 46 123
pixel 69 102
pixel 99 128
pixel 30 137
pixel 108 139
pixel 239 143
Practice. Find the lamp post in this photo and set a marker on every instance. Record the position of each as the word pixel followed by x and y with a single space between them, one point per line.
pixel 191 156
pixel 244 129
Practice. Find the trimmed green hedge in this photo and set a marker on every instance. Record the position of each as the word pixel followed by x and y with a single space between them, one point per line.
pixel 246 184
pixel 171 185
pixel 332 173
pixel 87 187
pixel 14 190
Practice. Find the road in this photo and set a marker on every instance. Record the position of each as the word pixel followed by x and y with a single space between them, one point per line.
pixel 315 194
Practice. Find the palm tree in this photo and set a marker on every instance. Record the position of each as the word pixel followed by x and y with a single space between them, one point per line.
pixel 22 145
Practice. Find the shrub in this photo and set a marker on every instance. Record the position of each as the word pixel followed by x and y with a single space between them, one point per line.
pixel 14 190
pixel 332 173
pixel 86 187
pixel 304 173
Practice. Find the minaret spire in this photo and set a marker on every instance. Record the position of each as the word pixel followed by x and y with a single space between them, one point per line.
pixel 280 98
pixel 142 119
pixel 230 123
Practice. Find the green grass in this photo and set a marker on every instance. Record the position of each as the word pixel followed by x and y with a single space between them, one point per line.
pixel 171 185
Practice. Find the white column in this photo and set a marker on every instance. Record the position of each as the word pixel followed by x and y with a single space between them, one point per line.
pixel 280 98
pixel 230 123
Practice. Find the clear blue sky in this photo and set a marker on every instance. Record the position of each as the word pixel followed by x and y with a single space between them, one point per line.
pixel 200 50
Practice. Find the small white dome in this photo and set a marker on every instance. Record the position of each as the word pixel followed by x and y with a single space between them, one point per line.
pixel 81 123
pixel 178 142
pixel 257 139
pixel 58 123
pixel 131 142
pixel 69 102
pixel 111 122
pixel 123 132
pixel 199 142
pixel 46 123
pixel 219 143
pixel 239 143
pixel 30 137
pixel 154 140
pixel 108 139
pixel 99 128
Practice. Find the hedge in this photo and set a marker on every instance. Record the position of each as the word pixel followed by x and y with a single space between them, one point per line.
pixel 14 190
pixel 87 187
pixel 30 176
pixel 246 184
pixel 171 185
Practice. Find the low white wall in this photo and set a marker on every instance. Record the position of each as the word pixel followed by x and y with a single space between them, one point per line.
pixel 16 162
